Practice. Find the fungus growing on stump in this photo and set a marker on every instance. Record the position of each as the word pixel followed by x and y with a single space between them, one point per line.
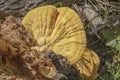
pixel 54 52
pixel 61 30
pixel 57 29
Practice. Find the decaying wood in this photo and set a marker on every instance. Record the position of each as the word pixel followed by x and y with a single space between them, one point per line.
pixel 19 62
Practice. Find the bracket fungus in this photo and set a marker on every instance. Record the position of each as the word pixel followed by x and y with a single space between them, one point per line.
pixel 88 65
pixel 61 30
pixel 57 29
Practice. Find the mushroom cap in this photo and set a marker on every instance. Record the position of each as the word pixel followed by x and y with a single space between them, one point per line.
pixel 57 29
pixel 88 65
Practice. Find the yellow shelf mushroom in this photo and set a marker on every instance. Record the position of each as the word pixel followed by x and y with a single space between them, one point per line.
pixel 61 30
pixel 57 29
pixel 88 65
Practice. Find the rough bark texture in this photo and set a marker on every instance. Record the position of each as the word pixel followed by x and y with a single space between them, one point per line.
pixel 18 7
pixel 19 62
pixel 64 71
